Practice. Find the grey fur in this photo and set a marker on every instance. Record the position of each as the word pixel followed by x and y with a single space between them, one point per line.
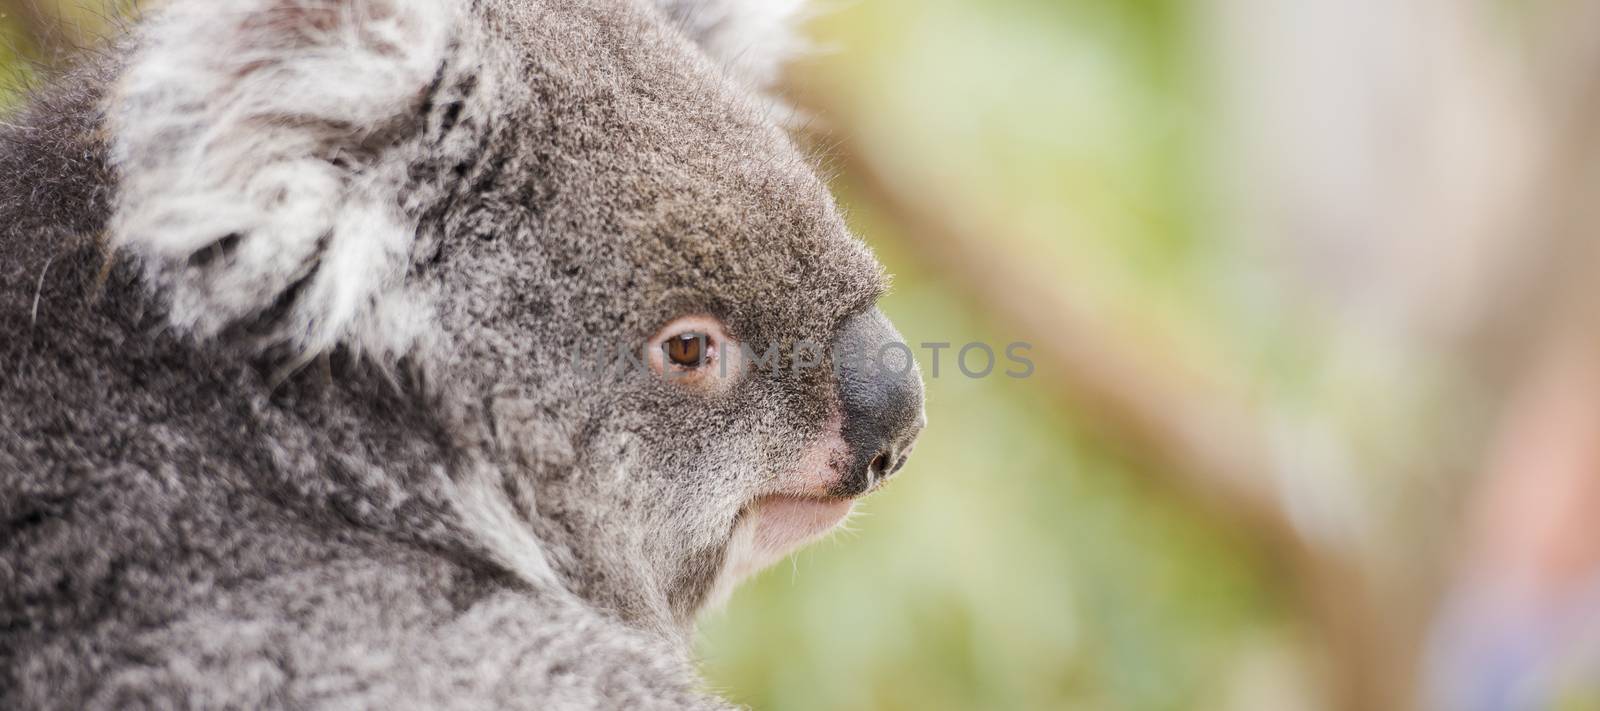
pixel 236 471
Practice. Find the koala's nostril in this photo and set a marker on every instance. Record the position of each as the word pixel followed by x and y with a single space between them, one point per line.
pixel 880 465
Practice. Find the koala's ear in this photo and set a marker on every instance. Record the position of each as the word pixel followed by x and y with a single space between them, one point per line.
pixel 751 38
pixel 248 138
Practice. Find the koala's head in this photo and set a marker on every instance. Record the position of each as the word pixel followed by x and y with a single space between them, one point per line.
pixel 657 338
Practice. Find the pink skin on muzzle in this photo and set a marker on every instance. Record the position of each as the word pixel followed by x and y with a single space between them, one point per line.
pixel 798 509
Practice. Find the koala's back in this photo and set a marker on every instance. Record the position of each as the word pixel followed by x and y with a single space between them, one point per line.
pixel 178 530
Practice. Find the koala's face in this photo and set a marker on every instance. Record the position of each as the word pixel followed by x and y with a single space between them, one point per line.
pixel 588 229
pixel 686 288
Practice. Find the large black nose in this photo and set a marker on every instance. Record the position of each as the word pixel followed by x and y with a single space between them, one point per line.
pixel 880 389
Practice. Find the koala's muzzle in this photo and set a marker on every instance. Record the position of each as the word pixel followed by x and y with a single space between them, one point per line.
pixel 880 391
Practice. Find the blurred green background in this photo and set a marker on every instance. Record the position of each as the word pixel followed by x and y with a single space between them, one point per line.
pixel 1017 563
pixel 1237 476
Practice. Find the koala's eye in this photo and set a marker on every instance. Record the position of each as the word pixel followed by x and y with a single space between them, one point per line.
pixel 687 350
pixel 696 352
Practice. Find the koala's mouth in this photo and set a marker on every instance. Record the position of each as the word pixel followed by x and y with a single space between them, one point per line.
pixel 773 526
pixel 803 504
pixel 808 499
pixel 785 522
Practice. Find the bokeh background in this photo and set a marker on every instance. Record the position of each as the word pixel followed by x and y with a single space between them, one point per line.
pixel 1310 290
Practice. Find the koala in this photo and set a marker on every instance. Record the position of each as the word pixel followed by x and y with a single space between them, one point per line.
pixel 418 354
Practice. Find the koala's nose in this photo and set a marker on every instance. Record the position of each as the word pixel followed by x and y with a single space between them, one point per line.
pixel 880 390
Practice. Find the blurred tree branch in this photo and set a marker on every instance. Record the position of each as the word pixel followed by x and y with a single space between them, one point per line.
pixel 54 30
pixel 42 28
pixel 28 13
pixel 1510 186
pixel 1207 442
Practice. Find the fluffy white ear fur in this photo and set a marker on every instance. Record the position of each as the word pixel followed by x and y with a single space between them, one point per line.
pixel 244 133
pixel 751 38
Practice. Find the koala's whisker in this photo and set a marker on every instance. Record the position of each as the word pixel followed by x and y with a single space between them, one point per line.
pixel 38 291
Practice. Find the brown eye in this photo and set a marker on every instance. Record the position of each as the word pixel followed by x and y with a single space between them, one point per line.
pixel 696 353
pixel 687 350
